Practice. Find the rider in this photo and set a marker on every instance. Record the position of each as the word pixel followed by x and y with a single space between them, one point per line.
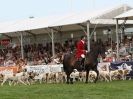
pixel 81 51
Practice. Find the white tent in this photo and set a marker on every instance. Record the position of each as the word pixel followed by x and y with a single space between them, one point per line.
pixel 127 15
pixel 100 16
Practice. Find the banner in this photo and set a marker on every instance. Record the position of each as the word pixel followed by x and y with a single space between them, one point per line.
pixel 5 42
pixel 56 68
pixel 45 68
pixel 122 65
pixel 115 65
pixel 38 69
pixel 7 70
pixel 103 66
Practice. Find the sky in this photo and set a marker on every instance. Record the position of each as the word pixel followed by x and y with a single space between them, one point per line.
pixel 22 9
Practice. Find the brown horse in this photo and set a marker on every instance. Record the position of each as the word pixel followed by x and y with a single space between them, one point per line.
pixel 70 62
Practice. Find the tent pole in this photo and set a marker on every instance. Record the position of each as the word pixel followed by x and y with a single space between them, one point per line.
pixel 95 36
pixel 88 35
pixel 22 50
pixel 117 39
pixel 53 51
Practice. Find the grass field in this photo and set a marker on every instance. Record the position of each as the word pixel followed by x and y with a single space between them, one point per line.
pixel 100 90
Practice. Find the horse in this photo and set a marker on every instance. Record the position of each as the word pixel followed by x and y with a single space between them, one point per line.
pixel 70 62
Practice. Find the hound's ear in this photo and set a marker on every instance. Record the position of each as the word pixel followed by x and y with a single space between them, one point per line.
pixel 25 70
pixel 1 75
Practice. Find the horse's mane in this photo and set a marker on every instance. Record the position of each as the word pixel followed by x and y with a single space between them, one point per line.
pixel 96 49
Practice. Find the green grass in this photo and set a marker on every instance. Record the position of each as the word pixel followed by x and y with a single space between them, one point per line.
pixel 100 90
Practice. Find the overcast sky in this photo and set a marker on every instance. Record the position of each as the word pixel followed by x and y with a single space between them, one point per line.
pixel 21 9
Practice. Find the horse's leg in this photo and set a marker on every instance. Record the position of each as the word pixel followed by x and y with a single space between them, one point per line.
pixel 68 78
pixel 71 80
pixel 97 75
pixel 87 73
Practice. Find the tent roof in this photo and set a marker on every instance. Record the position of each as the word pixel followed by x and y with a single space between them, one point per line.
pixel 108 13
pixel 41 24
pixel 128 14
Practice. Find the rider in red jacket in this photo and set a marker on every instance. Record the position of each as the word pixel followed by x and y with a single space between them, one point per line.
pixel 81 51
pixel 80 48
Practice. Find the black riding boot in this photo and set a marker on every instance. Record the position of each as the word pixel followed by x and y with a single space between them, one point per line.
pixel 82 63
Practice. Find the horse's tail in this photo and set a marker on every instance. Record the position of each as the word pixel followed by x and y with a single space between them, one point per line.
pixel 64 58
pixel 66 61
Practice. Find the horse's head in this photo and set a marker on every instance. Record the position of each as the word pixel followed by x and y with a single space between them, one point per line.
pixel 98 49
pixel 101 51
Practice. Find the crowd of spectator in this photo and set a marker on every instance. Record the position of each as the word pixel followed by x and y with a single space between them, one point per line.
pixel 37 54
pixel 125 50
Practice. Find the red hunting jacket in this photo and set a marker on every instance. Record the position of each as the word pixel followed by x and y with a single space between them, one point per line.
pixel 80 49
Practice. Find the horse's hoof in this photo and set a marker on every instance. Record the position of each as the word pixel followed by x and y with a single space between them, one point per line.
pixel 71 82
pixel 86 82
pixel 67 82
